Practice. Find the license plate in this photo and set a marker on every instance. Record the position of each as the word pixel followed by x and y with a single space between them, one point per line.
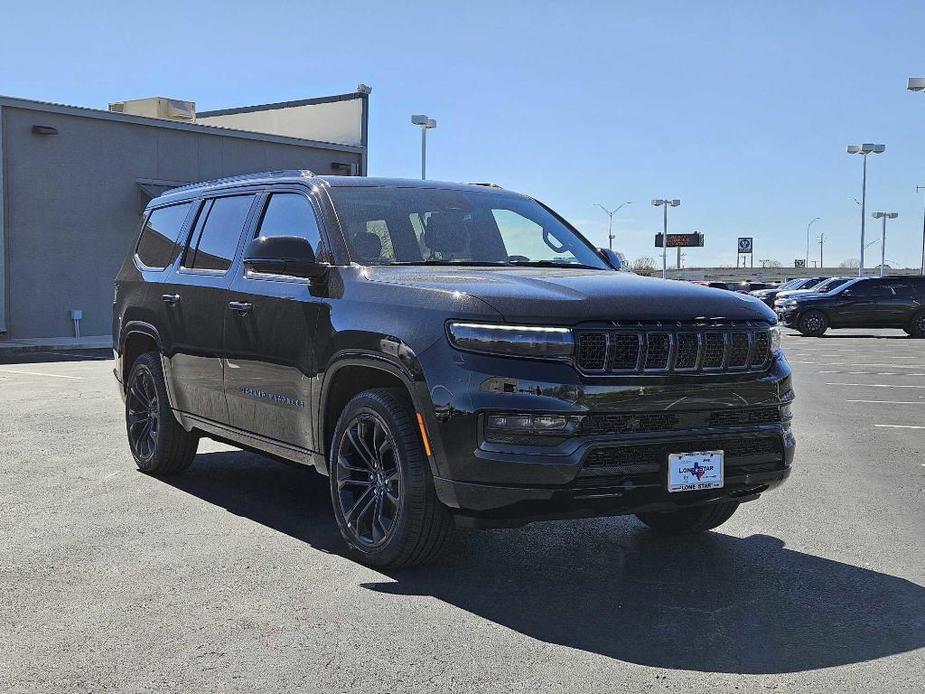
pixel 689 472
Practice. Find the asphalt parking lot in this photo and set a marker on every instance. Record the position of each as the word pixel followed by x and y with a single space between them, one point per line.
pixel 231 578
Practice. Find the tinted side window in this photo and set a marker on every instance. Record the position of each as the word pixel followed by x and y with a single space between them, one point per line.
pixel 872 289
pixel 290 214
pixel 218 230
pixel 157 245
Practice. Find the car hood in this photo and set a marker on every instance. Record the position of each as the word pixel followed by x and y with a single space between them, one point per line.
pixel 571 296
pixel 794 293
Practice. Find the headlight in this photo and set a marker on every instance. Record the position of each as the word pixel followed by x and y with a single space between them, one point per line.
pixel 775 339
pixel 513 340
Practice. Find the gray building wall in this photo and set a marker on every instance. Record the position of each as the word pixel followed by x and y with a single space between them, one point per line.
pixel 71 201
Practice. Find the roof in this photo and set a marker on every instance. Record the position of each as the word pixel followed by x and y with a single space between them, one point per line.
pixel 306 177
pixel 100 114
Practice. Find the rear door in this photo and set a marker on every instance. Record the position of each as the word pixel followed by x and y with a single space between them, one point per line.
pixel 196 304
pixel 270 332
pixel 906 300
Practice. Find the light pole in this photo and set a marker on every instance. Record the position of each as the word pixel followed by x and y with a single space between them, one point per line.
pixel 917 189
pixel 811 222
pixel 611 213
pixel 666 204
pixel 425 124
pixel 884 216
pixel 864 150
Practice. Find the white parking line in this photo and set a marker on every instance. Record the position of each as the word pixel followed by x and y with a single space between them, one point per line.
pixel 891 402
pixel 37 373
pixel 899 426
pixel 872 385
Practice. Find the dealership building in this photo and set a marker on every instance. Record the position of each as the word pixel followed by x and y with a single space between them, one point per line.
pixel 74 181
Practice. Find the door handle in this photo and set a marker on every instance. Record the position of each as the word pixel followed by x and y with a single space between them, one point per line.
pixel 171 299
pixel 241 307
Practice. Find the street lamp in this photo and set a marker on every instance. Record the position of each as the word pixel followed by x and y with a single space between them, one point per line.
pixel 425 124
pixel 666 204
pixel 611 213
pixel 916 84
pixel 864 150
pixel 811 222
pixel 917 189
pixel 884 216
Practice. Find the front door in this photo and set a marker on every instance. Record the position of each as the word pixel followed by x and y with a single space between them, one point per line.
pixel 196 301
pixel 270 335
pixel 862 305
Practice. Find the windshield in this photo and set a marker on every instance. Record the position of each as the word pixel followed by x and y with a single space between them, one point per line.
pixel 790 284
pixel 417 226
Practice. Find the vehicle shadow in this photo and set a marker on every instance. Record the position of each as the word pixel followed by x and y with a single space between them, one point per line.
pixel 853 336
pixel 712 603
pixel 13 356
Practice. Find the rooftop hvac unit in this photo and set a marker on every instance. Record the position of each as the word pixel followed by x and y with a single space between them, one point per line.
pixel 157 107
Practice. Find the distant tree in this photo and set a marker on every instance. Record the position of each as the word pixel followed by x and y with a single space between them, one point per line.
pixel 772 263
pixel 644 266
pixel 850 264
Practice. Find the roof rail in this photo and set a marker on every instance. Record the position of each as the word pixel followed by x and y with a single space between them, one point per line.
pixel 486 184
pixel 302 173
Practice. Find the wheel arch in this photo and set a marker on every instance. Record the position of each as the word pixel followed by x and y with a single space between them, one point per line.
pixel 137 338
pixel 350 375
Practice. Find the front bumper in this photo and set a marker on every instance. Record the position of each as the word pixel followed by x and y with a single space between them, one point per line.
pixel 788 316
pixel 604 472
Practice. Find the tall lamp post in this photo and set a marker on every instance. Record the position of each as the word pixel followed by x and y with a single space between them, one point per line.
pixel 917 84
pixel 425 124
pixel 665 204
pixel 811 222
pixel 611 213
pixel 864 150
pixel 884 216
pixel 917 189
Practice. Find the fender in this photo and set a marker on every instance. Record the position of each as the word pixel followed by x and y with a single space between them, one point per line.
pixel 144 328
pixel 411 381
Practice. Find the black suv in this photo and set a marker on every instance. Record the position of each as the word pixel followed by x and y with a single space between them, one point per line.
pixel 446 354
pixel 864 302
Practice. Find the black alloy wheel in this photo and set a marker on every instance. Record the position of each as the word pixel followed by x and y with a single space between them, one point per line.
pixel 142 413
pixel 813 323
pixel 159 444
pixel 917 325
pixel 369 480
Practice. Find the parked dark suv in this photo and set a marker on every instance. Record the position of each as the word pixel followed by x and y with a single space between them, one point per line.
pixel 446 354
pixel 864 302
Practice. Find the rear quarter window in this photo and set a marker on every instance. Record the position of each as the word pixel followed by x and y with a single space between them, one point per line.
pixel 157 245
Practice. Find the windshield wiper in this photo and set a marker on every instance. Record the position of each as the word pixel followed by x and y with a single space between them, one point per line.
pixel 434 261
pixel 551 263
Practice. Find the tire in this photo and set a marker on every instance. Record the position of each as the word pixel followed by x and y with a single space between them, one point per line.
pixel 813 323
pixel 158 443
pixel 917 325
pixel 381 485
pixel 689 521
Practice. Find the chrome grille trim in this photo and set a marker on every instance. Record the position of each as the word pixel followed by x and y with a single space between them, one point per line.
pixel 738 355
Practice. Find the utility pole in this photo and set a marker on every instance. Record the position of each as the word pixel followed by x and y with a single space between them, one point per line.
pixel 917 189
pixel 821 242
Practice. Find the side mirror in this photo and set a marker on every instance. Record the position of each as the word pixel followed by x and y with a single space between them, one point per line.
pixel 611 257
pixel 283 255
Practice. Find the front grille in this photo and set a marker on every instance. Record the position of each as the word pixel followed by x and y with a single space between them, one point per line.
pixel 604 423
pixel 669 349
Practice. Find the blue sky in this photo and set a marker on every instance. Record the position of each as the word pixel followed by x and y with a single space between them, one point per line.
pixel 741 109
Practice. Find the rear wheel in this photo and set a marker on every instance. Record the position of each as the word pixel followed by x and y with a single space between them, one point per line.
pixel 381 485
pixel 688 521
pixel 917 325
pixel 813 323
pixel 159 444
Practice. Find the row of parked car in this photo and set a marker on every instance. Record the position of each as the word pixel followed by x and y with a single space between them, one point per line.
pixel 812 305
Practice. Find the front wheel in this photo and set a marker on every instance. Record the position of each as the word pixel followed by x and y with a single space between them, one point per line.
pixel 813 323
pixel 381 485
pixel 689 521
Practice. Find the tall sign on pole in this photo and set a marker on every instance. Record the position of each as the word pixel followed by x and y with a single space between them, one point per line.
pixel 746 247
